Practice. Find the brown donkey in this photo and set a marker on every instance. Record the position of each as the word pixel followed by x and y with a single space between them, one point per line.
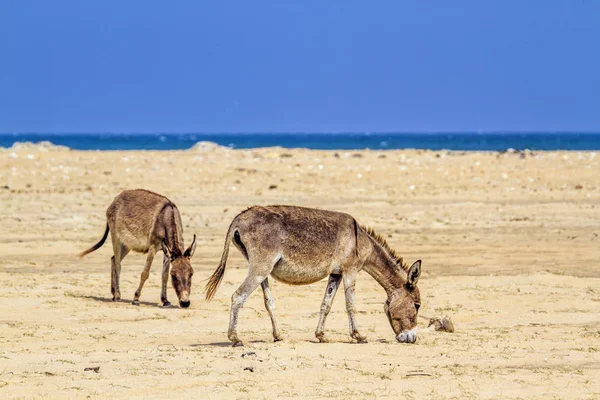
pixel 299 246
pixel 146 222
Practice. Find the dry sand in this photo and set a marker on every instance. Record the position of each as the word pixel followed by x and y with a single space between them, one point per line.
pixel 510 247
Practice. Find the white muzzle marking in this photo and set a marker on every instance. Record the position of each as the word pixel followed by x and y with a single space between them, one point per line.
pixel 408 336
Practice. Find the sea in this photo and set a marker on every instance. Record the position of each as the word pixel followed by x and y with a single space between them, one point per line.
pixel 465 141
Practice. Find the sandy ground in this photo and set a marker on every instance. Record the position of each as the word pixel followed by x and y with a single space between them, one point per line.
pixel 510 247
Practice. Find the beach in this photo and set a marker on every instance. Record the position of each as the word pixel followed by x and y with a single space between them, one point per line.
pixel 509 241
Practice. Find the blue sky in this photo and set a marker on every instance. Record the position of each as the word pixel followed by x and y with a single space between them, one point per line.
pixel 304 66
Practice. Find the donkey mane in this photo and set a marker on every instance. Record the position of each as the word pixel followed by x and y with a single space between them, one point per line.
pixel 382 242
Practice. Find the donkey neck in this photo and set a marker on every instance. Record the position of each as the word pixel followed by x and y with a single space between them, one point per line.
pixel 175 244
pixel 173 232
pixel 383 268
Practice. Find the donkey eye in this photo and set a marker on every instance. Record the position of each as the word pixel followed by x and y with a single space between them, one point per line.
pixel 417 305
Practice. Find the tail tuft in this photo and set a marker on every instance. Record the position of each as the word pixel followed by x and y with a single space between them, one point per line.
pixel 214 281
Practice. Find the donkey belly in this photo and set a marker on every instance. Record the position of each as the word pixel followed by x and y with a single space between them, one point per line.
pixel 134 240
pixel 298 274
pixel 140 245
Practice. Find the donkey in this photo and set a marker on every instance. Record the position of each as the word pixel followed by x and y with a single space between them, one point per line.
pixel 146 222
pixel 298 246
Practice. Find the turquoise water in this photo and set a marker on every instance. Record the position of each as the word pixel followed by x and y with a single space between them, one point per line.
pixel 326 141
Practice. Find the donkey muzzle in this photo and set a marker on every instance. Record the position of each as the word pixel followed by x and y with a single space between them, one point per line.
pixel 408 336
pixel 184 304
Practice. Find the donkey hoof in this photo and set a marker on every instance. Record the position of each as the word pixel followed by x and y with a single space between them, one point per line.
pixel 166 304
pixel 135 302
pixel 323 339
pixel 278 339
pixel 362 340
pixel 239 343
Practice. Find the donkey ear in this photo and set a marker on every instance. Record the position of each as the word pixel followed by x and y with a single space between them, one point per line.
pixel 189 252
pixel 413 274
pixel 165 248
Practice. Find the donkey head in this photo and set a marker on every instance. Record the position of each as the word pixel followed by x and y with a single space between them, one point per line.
pixel 403 305
pixel 181 271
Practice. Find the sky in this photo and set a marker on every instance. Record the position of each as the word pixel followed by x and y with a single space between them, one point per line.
pixel 299 66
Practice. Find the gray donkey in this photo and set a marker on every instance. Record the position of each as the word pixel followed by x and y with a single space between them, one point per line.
pixel 299 246
pixel 146 222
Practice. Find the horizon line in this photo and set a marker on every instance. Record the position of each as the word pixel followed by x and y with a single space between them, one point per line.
pixel 442 132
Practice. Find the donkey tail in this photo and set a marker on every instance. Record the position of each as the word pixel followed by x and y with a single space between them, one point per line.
pixel 215 279
pixel 96 246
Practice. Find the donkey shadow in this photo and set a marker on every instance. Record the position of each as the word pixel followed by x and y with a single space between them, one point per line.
pixel 214 344
pixel 110 300
pixel 225 344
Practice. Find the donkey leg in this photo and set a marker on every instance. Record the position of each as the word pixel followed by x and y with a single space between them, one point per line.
pixel 270 306
pixel 349 283
pixel 165 280
pixel 119 251
pixel 124 252
pixel 238 299
pixel 114 269
pixel 144 276
pixel 113 280
pixel 330 291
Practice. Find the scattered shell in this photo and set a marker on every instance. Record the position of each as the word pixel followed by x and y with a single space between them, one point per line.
pixel 443 324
